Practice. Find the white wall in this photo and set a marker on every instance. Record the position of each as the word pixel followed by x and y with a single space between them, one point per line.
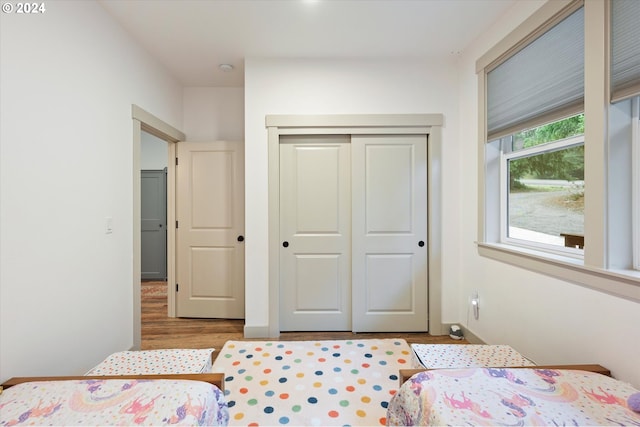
pixel 154 152
pixel 66 163
pixel 548 320
pixel 338 87
pixel 214 114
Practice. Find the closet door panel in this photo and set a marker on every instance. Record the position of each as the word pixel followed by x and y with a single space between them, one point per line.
pixel 383 269
pixel 387 209
pixel 389 222
pixel 315 223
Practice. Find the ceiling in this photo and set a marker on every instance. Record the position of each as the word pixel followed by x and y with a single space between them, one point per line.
pixel 191 38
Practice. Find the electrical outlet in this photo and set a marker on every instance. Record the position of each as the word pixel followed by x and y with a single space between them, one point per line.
pixel 475 304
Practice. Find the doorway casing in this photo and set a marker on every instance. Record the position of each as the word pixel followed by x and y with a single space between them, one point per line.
pixel 371 124
pixel 144 121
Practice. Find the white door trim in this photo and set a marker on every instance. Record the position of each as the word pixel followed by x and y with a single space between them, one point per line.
pixel 142 120
pixel 425 124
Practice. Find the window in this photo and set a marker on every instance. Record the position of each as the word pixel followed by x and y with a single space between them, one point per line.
pixel 559 100
pixel 542 176
pixel 535 129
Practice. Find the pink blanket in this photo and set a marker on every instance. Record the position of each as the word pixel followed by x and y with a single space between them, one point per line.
pixel 113 402
pixel 487 396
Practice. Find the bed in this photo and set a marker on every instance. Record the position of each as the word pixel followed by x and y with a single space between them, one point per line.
pixel 177 399
pixel 541 395
pixel 432 356
pixel 161 361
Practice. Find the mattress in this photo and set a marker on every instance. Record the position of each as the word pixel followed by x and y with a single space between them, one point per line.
pixel 490 396
pixel 113 402
pixel 437 356
pixel 149 362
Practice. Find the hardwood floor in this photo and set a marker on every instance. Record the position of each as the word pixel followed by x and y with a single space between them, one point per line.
pixel 160 331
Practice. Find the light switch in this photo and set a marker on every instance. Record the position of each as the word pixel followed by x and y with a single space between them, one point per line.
pixel 108 229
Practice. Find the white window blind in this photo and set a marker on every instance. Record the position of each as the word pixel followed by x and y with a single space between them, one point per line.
pixel 625 49
pixel 542 82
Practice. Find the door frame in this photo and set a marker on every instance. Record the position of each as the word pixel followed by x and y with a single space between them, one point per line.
pixel 145 121
pixel 354 124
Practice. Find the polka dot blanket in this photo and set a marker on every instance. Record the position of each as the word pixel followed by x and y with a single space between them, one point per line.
pixel 327 383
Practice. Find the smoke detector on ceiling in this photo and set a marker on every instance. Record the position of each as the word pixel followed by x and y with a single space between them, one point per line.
pixel 226 67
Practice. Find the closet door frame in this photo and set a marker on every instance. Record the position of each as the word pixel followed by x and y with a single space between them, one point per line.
pixel 359 124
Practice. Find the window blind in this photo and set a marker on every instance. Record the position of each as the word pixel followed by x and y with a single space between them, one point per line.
pixel 625 49
pixel 542 82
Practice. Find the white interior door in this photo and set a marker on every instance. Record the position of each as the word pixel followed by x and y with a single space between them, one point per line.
pixel 210 225
pixel 315 223
pixel 389 228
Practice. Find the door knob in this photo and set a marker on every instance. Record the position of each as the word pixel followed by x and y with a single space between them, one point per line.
pixel 421 243
pixel 285 244
pixel 240 238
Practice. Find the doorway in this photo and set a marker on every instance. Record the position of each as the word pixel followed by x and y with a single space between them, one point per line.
pixel 146 122
pixel 154 154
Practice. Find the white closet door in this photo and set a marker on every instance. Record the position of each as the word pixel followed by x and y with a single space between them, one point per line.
pixel 389 258
pixel 315 223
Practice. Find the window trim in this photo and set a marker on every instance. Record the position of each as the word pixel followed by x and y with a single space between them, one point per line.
pixel 594 270
pixel 635 171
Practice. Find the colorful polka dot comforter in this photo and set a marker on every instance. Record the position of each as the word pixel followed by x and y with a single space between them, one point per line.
pixel 311 383
pixel 113 402
pixel 488 396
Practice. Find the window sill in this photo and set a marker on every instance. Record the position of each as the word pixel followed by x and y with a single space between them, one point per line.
pixel 621 283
